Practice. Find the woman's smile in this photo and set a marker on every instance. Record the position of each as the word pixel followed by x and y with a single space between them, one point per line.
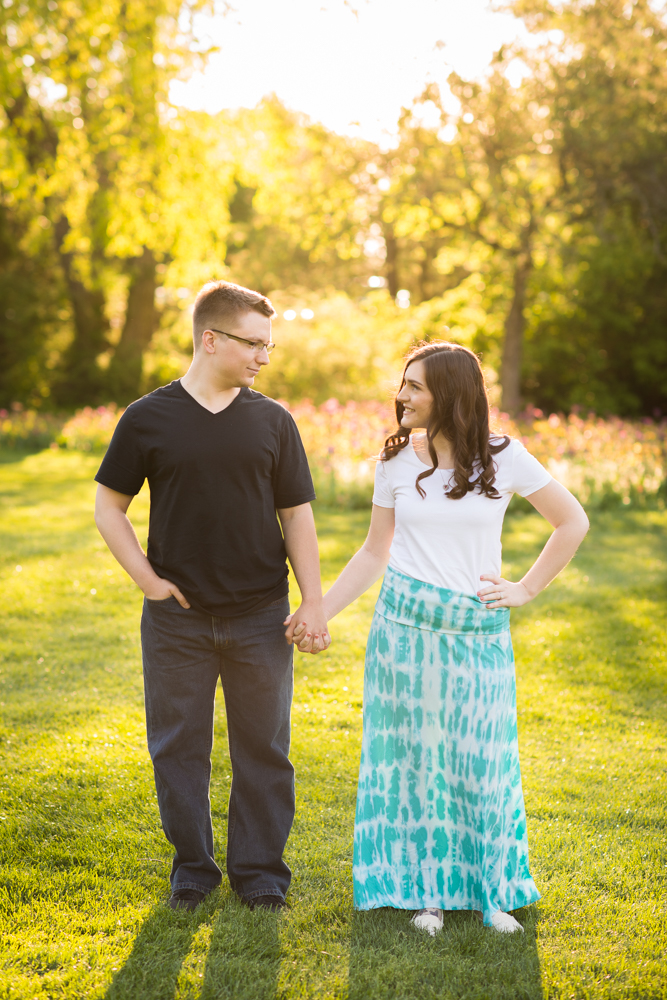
pixel 416 399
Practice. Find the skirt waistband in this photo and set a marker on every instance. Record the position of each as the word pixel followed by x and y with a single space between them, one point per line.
pixel 422 605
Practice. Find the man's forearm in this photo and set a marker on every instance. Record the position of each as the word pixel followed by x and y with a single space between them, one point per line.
pixel 303 553
pixel 309 621
pixel 116 529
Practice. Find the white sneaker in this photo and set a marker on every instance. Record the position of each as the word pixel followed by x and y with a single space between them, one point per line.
pixel 431 920
pixel 505 923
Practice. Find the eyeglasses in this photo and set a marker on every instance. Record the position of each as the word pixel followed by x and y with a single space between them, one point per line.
pixel 257 345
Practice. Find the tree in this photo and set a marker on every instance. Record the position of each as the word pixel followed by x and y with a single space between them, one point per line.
pixel 408 188
pixel 85 99
pixel 597 333
pixel 511 202
pixel 294 209
pixel 474 197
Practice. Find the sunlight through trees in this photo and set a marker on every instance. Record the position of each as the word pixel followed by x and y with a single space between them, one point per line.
pixel 533 222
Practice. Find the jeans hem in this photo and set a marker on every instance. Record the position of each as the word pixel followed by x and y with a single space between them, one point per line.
pixel 263 892
pixel 206 889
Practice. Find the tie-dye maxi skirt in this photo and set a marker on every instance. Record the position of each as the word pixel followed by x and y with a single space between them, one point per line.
pixel 440 814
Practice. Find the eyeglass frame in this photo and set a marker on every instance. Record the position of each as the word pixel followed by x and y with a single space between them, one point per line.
pixel 251 343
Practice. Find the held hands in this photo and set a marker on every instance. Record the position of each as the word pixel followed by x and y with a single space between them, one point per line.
pixel 307 628
pixel 503 593
pixel 160 590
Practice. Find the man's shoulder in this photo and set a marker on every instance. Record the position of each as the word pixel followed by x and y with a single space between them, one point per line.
pixel 268 407
pixel 165 393
pixel 155 401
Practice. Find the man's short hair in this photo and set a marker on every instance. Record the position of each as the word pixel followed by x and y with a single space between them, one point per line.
pixel 220 303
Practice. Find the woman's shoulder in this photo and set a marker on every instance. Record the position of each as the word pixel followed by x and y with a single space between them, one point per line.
pixel 508 447
pixel 518 470
pixel 510 450
pixel 394 470
pixel 405 454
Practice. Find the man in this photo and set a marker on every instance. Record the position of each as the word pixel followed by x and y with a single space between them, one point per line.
pixel 221 460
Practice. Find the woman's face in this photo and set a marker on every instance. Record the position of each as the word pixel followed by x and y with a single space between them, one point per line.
pixel 416 398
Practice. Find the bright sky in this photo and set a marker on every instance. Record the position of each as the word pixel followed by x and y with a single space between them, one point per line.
pixel 340 69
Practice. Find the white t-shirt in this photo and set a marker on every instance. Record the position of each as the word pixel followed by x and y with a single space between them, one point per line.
pixel 450 543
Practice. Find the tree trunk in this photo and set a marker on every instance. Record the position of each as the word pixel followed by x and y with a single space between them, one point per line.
pixel 80 379
pixel 510 371
pixel 425 273
pixel 126 365
pixel 390 266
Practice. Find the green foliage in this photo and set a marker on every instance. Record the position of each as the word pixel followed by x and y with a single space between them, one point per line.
pixel 600 342
pixel 83 147
pixel 295 215
pixel 533 223
pixel 348 349
pixel 32 309
pixel 84 862
pixel 597 323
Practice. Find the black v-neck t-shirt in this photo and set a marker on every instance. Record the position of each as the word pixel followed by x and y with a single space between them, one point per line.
pixel 215 480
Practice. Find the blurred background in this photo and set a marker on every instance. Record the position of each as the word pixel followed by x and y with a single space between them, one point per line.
pixel 384 171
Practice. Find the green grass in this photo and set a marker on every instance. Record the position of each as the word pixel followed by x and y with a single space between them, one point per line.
pixel 83 862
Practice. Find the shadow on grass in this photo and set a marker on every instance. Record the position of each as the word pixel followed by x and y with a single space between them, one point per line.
pixel 466 961
pixel 243 958
pixel 153 966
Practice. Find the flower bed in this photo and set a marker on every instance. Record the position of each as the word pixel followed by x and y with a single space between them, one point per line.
pixel 598 459
pixel 602 460
pixel 90 429
pixel 28 430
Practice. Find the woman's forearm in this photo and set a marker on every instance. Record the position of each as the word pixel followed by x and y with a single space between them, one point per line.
pixel 360 573
pixel 555 555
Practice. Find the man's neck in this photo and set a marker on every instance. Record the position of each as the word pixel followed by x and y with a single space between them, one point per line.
pixel 207 390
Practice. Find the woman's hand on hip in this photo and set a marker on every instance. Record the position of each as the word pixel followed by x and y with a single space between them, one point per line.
pixel 502 593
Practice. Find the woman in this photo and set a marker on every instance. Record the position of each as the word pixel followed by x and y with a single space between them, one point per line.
pixel 440 822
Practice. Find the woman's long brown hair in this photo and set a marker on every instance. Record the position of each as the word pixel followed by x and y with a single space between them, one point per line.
pixel 460 412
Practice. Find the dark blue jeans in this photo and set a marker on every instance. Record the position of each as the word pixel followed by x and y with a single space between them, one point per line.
pixel 184 653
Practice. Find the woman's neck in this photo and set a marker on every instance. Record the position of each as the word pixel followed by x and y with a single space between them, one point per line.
pixel 443 450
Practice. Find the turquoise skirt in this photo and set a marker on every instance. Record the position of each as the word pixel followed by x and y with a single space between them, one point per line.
pixel 440 817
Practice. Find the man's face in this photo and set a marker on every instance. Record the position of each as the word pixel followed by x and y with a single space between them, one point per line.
pixel 238 363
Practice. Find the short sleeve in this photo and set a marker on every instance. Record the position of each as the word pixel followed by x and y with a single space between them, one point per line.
pixel 123 467
pixel 528 475
pixel 382 493
pixel 292 481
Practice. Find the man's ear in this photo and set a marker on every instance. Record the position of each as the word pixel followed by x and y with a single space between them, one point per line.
pixel 208 341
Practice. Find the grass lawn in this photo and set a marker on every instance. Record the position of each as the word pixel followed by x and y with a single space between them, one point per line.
pixel 84 864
